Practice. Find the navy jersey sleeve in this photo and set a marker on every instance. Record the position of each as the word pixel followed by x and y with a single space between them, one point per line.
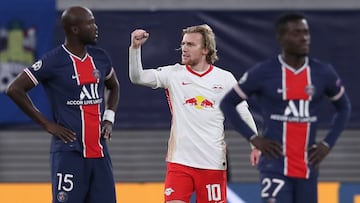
pixel 248 84
pixel 334 84
pixel 336 93
pixel 42 69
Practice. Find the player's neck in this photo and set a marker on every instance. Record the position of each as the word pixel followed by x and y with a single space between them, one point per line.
pixel 76 49
pixel 295 62
pixel 200 67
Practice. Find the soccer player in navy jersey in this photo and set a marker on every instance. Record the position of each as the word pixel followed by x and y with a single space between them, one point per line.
pixel 290 88
pixel 75 76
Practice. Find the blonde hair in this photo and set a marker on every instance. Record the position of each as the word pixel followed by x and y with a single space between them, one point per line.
pixel 208 40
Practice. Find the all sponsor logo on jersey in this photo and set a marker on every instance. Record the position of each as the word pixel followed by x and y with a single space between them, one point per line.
pixel 296 111
pixel 89 95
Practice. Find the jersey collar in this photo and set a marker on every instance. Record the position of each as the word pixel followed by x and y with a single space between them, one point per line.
pixel 199 74
pixel 73 55
pixel 296 71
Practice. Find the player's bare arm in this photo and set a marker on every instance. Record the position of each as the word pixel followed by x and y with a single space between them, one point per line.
pixel 255 156
pixel 269 148
pixel 317 153
pixel 17 91
pixel 112 84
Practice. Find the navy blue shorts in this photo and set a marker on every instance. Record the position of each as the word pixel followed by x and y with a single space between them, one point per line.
pixel 79 180
pixel 277 188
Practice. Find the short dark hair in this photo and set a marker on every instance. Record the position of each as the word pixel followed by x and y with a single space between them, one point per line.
pixel 280 24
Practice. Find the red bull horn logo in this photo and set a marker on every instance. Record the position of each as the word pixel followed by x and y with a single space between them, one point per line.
pixel 199 102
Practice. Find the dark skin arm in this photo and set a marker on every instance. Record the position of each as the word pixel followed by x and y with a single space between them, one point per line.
pixel 17 91
pixel 270 148
pixel 113 87
pixel 318 152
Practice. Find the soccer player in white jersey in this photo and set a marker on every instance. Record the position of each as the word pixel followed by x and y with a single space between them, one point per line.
pixel 196 153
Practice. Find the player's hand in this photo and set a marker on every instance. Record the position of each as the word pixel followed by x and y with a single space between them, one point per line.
pixel 106 130
pixel 269 148
pixel 138 38
pixel 255 156
pixel 61 132
pixel 317 153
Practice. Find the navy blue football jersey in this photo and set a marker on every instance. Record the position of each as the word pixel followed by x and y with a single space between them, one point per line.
pixel 75 87
pixel 290 100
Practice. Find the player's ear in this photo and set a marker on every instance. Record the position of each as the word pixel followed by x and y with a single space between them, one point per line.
pixel 74 29
pixel 205 51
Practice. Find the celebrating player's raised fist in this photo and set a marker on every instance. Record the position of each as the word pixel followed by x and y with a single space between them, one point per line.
pixel 138 38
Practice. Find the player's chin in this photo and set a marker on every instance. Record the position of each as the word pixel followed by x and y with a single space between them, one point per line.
pixel 303 51
pixel 93 42
pixel 185 61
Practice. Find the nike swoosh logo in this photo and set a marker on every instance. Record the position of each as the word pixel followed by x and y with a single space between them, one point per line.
pixel 185 83
pixel 75 76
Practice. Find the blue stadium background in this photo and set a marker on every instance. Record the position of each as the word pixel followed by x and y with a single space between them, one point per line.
pixel 143 118
pixel 243 38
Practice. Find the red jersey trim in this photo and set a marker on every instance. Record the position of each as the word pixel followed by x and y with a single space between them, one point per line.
pixel 198 74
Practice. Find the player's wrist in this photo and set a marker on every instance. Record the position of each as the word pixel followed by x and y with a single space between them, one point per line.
pixel 252 137
pixel 325 144
pixel 109 115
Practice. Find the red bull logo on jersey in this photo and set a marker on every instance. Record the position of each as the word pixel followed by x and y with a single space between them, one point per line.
pixel 199 102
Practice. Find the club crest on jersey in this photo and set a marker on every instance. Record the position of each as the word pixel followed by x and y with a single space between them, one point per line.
pixel 96 73
pixel 37 65
pixel 243 78
pixel 62 196
pixel 218 88
pixel 310 90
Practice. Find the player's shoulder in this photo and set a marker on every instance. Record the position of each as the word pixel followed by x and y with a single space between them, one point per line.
pixel 171 68
pixel 96 51
pixel 54 53
pixel 314 62
pixel 56 56
pixel 222 71
pixel 261 68
pixel 321 66
pixel 268 63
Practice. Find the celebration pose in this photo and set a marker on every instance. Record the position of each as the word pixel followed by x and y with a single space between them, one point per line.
pixel 196 153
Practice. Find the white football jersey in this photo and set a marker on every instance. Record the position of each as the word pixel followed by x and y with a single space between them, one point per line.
pixel 197 129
